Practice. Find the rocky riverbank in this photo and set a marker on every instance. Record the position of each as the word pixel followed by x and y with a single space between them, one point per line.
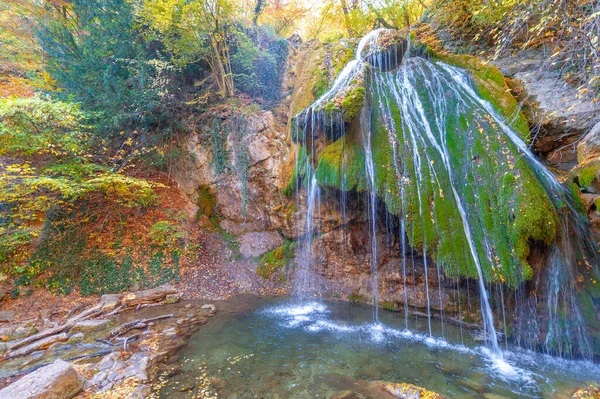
pixel 116 348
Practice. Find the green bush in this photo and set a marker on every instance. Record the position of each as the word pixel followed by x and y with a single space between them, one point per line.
pixel 258 62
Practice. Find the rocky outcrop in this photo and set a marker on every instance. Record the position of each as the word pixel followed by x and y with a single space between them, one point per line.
pixel 263 206
pixel 558 112
pixel 589 147
pixel 257 243
pixel 56 381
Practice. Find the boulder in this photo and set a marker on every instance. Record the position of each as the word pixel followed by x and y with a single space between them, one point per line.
pixel 55 381
pixel 110 302
pixel 91 325
pixel 258 243
pixel 409 391
pixel 557 107
pixel 143 391
pixel 7 315
pixel 75 338
pixel 589 147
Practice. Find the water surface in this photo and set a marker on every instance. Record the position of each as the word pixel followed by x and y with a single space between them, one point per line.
pixel 283 348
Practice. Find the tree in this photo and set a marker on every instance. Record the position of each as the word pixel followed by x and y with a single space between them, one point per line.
pixel 193 30
pixel 98 56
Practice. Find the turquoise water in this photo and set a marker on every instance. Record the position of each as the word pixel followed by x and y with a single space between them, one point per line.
pixel 283 348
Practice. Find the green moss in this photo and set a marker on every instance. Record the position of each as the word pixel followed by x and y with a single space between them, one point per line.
pixel 343 158
pixel 353 103
pixel 356 297
pixel 387 305
pixel 587 175
pixel 206 201
pixel 492 87
pixel 274 260
pixel 298 172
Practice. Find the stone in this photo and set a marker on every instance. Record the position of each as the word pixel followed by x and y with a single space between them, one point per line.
pixel 210 308
pixel 75 338
pixel 410 391
pixel 138 363
pixel 7 315
pixel 218 383
pixel 141 392
pixel 588 392
pixel 589 148
pixel 110 302
pixel 91 325
pixel 188 306
pixel 258 243
pixel 345 395
pixel 3 294
pixel 55 381
pixel 22 332
pixel 172 298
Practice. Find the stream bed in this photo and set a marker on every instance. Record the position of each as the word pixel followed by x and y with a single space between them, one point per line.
pixel 284 348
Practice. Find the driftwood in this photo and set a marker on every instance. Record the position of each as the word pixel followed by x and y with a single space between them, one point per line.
pixel 128 339
pixel 139 299
pixel 94 311
pixel 153 295
pixel 38 345
pixel 136 324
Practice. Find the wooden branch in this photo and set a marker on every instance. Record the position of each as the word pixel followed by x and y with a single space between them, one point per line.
pixel 56 330
pixel 38 345
pixel 136 324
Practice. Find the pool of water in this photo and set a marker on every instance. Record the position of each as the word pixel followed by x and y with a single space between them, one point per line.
pixel 283 348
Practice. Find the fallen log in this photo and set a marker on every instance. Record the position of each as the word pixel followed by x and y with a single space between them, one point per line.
pixel 152 295
pixel 55 330
pixel 38 345
pixel 136 324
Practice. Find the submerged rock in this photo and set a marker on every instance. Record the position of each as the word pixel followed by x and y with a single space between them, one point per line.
pixel 410 391
pixel 56 381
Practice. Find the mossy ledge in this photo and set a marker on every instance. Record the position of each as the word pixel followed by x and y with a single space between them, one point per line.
pixel 507 207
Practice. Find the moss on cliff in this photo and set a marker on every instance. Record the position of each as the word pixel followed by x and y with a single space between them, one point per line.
pixel 274 260
pixel 342 165
pixel 492 87
pixel 353 103
pixel 298 172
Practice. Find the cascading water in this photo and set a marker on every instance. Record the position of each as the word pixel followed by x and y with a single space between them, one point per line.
pixel 461 183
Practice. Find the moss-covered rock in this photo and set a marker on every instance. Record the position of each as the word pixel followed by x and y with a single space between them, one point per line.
pixel 492 87
pixel 300 164
pixel 341 165
pixel 478 169
pixel 274 260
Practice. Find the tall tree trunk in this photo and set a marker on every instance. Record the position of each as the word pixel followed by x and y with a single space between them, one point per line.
pixel 347 22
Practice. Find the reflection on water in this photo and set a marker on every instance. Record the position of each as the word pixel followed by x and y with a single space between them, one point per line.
pixel 280 348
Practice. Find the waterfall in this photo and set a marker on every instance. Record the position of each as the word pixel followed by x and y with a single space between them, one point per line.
pixel 458 179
